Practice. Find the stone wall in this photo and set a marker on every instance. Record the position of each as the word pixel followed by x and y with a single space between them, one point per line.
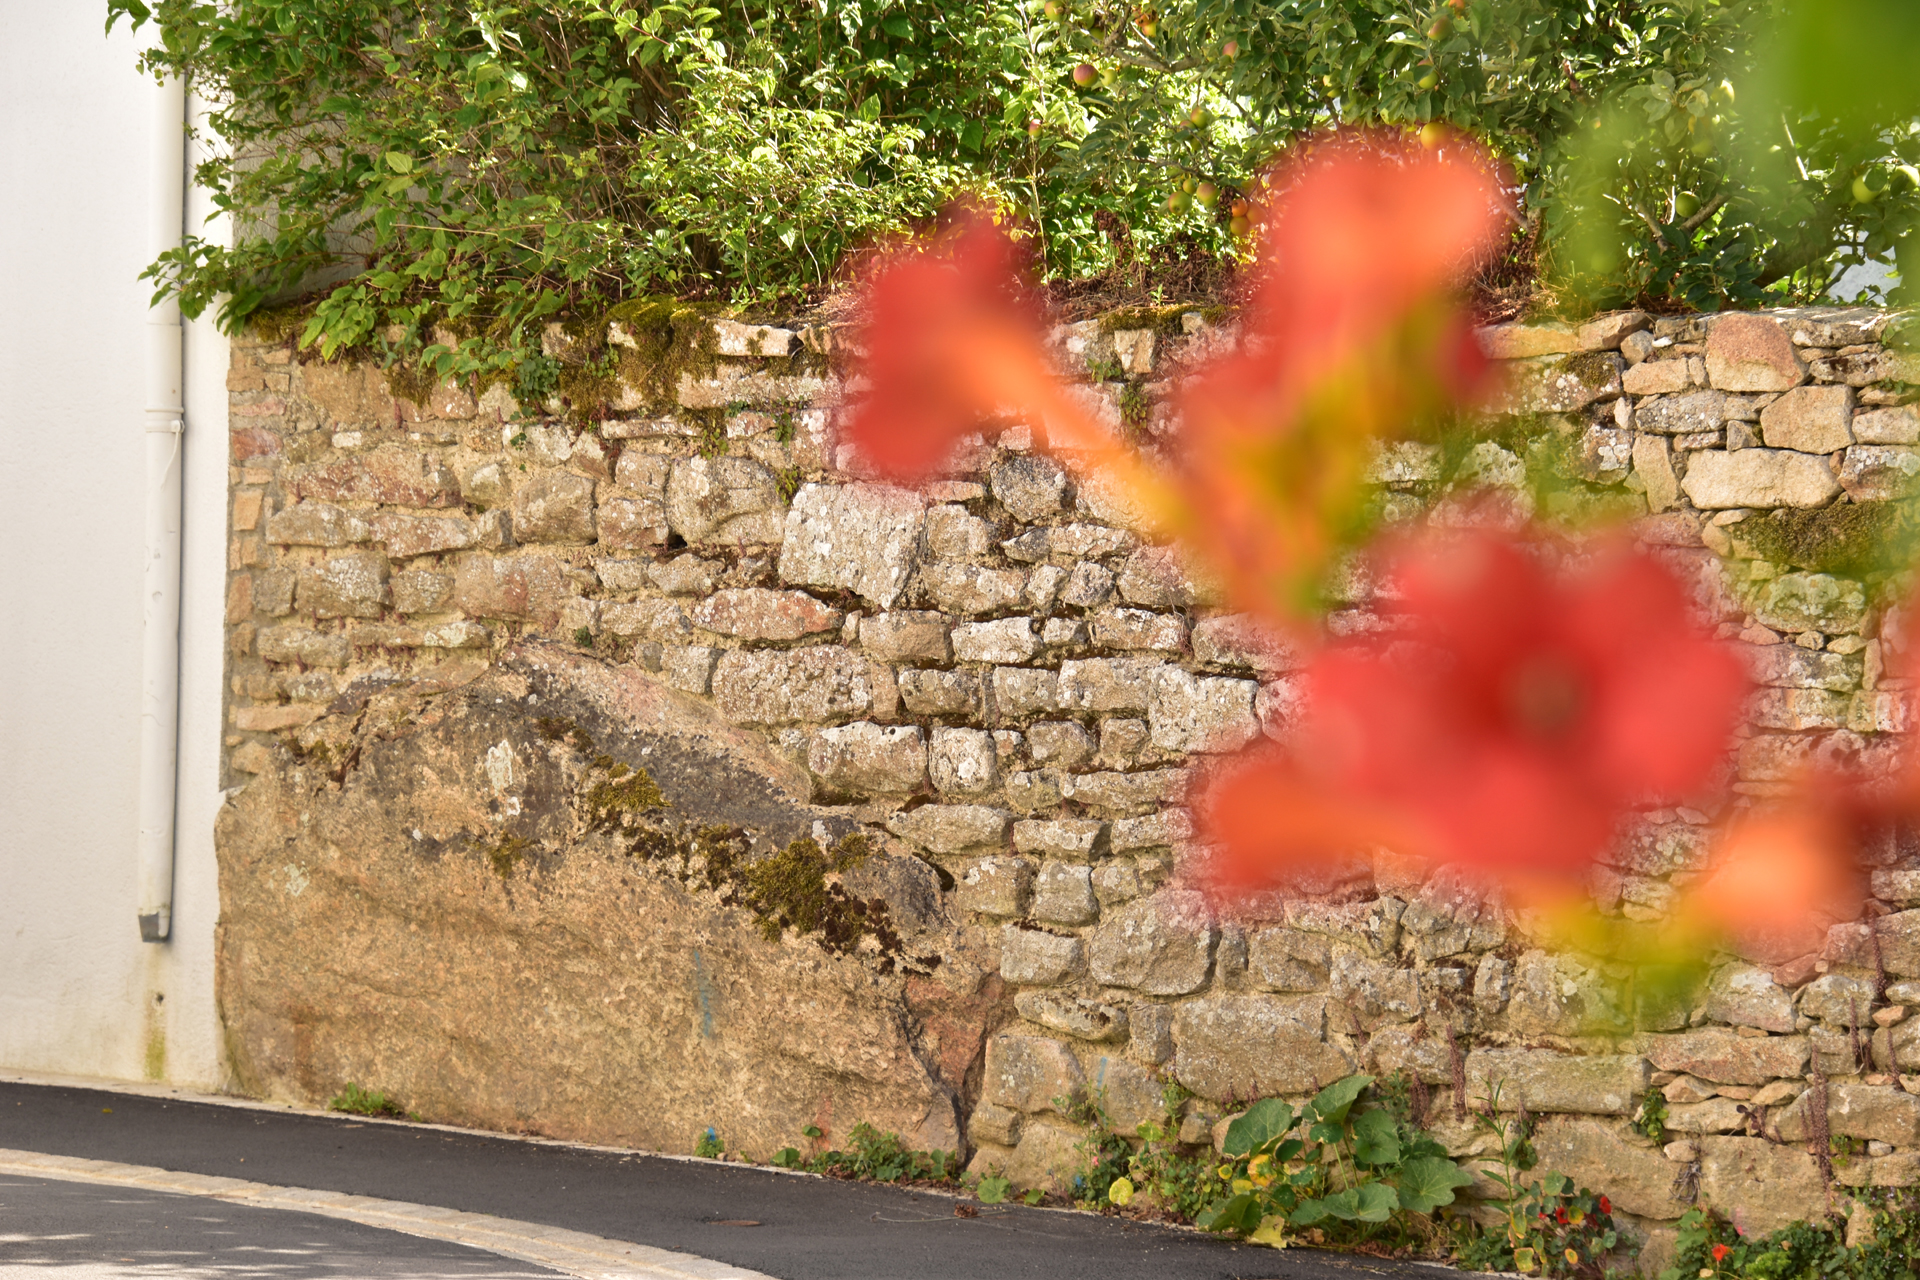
pixel 615 782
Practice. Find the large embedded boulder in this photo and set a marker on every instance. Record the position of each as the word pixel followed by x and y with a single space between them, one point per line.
pixel 565 899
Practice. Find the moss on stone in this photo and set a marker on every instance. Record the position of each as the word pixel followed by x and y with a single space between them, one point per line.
pixel 620 792
pixel 504 854
pixel 280 324
pixel 1136 410
pixel 1162 320
pixel 790 890
pixel 409 382
pixel 670 338
pixel 1847 538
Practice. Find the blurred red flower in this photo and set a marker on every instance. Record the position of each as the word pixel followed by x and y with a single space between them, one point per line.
pixel 954 338
pixel 1352 335
pixel 1720 1252
pixel 1513 720
pixel 1782 876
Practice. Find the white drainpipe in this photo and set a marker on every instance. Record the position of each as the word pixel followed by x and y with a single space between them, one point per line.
pixel 160 591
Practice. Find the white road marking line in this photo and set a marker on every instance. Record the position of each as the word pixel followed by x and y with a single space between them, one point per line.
pixel 572 1252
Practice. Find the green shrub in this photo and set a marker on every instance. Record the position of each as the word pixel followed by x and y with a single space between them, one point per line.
pixel 485 166
pixel 1666 154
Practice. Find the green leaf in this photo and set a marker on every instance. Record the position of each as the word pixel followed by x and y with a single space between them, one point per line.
pixel 897 26
pixel 1262 1122
pixel 1326 1132
pixel 399 162
pixel 136 12
pixel 1376 1137
pixel 1376 1202
pixel 1332 1102
pixel 1341 1205
pixel 993 1190
pixel 1239 1214
pixel 1427 1182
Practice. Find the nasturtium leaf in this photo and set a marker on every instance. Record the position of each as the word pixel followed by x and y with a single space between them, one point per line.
pixel 1262 1123
pixel 1327 1131
pixel 1331 1103
pixel 1309 1212
pixel 1376 1202
pixel 1241 1214
pixel 1376 1138
pixel 1427 1182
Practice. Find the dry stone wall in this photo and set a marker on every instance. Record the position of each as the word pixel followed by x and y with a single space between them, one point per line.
pixel 912 848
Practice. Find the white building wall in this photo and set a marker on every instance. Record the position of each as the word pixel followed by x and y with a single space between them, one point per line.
pixel 80 994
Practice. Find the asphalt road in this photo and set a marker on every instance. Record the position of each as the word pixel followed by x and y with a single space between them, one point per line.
pixel 83 1232
pixel 805 1228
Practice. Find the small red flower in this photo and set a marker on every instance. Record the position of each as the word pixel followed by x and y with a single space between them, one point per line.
pixel 1606 1206
pixel 1720 1252
pixel 1560 1216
